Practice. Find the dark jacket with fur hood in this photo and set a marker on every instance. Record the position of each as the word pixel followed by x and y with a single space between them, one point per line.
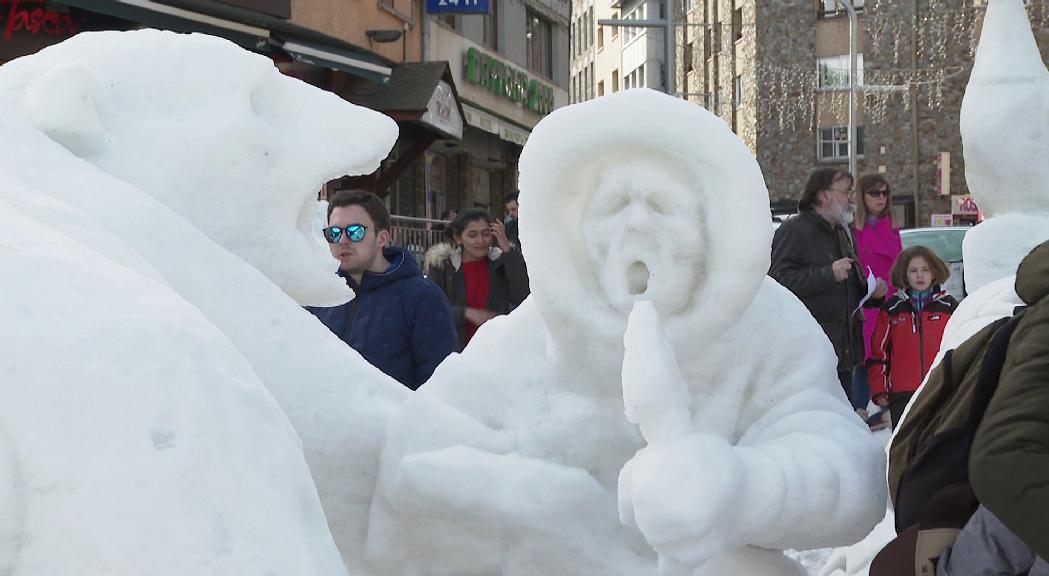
pixel 507 281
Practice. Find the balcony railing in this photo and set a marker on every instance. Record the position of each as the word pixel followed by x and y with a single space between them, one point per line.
pixel 417 235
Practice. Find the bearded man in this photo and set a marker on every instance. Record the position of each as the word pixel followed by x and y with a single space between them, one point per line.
pixel 814 257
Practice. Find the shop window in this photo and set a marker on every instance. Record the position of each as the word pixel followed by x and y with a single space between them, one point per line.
pixel 737 24
pixel 540 44
pixel 600 38
pixel 688 57
pixel 601 88
pixel 615 81
pixel 491 26
pixel 829 8
pixel 737 91
pixel 834 142
pixel 833 72
pixel 615 29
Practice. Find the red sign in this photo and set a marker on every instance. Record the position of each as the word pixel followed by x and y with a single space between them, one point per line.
pixel 31 17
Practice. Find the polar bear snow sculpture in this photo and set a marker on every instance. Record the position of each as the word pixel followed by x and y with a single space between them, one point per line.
pixel 144 332
pixel 511 459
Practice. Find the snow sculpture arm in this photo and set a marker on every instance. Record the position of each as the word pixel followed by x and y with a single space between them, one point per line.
pixel 798 277
pixel 454 494
pixel 803 475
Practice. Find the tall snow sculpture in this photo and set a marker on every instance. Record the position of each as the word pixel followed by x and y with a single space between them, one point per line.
pixel 194 163
pixel 517 457
pixel 1005 134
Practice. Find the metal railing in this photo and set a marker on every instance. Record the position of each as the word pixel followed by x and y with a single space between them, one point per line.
pixel 416 235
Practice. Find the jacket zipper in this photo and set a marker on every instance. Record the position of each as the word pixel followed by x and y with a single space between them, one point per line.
pixel 921 348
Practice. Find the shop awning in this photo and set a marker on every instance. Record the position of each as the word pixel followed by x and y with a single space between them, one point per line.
pixel 252 30
pixel 422 93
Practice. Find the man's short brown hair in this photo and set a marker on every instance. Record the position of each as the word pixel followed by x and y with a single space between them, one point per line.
pixel 940 272
pixel 371 203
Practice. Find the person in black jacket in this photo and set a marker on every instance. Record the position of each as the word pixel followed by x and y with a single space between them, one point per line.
pixel 481 281
pixel 813 256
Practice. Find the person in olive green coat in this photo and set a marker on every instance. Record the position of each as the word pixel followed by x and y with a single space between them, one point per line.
pixel 1009 462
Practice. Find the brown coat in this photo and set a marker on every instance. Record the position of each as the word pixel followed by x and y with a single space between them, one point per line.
pixel 803 250
pixel 1009 463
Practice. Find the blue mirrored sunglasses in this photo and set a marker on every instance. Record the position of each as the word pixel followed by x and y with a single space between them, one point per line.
pixel 355 232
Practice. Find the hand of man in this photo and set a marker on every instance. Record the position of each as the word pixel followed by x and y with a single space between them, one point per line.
pixel 841 269
pixel 499 232
pixel 880 290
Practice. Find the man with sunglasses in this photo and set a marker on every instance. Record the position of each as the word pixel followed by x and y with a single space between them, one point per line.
pixel 398 321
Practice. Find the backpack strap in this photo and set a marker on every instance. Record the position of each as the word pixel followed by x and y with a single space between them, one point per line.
pixel 991 369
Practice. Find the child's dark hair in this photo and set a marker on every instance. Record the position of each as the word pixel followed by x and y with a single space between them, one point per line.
pixel 940 272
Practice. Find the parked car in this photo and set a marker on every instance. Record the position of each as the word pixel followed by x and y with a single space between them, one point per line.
pixel 946 242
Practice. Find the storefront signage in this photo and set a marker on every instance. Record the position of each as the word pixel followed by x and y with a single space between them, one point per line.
pixel 493 125
pixel 32 17
pixel 458 6
pixel 508 82
pixel 942 220
pixel 964 205
pixel 442 112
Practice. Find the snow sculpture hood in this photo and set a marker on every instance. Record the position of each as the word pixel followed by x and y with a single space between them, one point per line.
pixel 1005 116
pixel 249 165
pixel 621 212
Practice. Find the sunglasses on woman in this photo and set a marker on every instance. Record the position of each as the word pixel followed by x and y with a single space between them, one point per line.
pixel 355 232
pixel 884 193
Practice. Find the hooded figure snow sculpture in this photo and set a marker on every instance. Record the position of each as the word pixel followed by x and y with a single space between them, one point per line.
pixel 516 458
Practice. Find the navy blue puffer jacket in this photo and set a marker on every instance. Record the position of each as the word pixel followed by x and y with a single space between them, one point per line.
pixel 399 322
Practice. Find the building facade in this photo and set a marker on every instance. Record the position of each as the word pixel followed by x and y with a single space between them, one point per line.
pixel 778 74
pixel 465 90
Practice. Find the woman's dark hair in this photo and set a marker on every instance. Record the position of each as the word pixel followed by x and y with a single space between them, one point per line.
pixel 870 182
pixel 464 218
pixel 819 181
pixel 371 203
pixel 940 272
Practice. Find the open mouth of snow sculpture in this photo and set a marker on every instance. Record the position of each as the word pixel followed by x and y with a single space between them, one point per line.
pixel 637 276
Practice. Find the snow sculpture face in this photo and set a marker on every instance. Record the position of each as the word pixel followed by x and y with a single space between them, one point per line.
pixel 250 164
pixel 638 237
pixel 658 197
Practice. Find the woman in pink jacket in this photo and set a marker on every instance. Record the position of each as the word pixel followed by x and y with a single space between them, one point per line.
pixel 877 245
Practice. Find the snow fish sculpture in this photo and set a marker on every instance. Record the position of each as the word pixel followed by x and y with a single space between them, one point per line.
pixel 517 458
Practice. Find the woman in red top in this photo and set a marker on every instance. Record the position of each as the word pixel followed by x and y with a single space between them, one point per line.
pixel 909 329
pixel 481 281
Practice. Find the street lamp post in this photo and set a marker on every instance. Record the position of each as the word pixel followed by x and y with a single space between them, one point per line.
pixel 847 4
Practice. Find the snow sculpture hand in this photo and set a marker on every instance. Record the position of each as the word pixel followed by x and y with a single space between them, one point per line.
pixel 676 491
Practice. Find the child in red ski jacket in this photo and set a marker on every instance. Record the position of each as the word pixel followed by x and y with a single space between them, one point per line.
pixel 909 329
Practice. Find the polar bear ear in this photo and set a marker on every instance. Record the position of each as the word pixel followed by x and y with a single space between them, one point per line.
pixel 61 103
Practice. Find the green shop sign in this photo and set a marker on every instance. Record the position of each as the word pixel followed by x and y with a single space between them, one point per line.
pixel 508 82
